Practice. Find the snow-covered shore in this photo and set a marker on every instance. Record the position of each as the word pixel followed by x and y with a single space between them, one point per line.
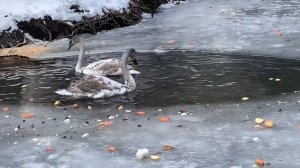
pixel 12 12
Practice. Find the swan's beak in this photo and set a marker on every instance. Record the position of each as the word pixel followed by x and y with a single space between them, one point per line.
pixel 70 45
pixel 134 61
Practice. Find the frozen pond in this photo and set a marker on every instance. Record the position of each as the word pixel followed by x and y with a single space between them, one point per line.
pixel 219 133
pixel 200 57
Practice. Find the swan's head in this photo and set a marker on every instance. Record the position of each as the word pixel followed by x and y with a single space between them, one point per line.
pixel 74 40
pixel 132 55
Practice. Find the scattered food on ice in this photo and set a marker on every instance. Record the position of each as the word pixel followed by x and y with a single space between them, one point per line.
pixel 49 149
pixel 154 157
pixel 164 119
pixel 128 111
pixel 257 126
pixel 167 147
pixel 172 42
pixel 260 162
pixel 27 115
pixel 5 109
pixel 75 106
pixel 35 139
pixel 268 123
pixel 85 135
pixel 142 153
pixel 111 149
pixel 255 139
pixel 111 117
pixel 183 113
pixel 67 121
pixel 57 103
pixel 259 120
pixel 245 98
pixel 140 113
pixel 120 108
pixel 105 124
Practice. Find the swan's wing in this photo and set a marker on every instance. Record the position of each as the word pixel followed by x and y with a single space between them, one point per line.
pixel 106 67
pixel 103 67
pixel 90 84
pixel 94 87
pixel 98 63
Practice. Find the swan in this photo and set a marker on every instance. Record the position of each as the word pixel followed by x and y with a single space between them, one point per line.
pixel 105 67
pixel 100 86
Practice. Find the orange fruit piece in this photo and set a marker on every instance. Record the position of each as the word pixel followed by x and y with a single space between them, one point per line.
pixel 111 149
pixel 27 115
pixel 268 123
pixel 5 109
pixel 164 119
pixel 140 113
pixel 167 147
pixel 106 124
pixel 260 162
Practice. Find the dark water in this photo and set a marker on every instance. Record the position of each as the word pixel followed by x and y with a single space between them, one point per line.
pixel 167 79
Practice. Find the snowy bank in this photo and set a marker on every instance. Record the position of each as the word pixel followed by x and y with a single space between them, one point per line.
pixel 12 12
pixel 55 19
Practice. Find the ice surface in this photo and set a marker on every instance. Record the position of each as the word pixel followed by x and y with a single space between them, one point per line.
pixel 263 27
pixel 214 136
pixel 12 12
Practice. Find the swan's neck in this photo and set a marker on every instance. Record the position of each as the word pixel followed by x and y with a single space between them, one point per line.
pixel 80 62
pixel 129 80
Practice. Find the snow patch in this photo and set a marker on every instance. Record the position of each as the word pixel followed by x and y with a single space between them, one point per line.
pixel 12 12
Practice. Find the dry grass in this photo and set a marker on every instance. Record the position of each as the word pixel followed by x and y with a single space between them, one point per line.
pixel 31 51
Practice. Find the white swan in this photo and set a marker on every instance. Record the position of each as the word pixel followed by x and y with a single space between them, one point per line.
pixel 103 67
pixel 100 86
